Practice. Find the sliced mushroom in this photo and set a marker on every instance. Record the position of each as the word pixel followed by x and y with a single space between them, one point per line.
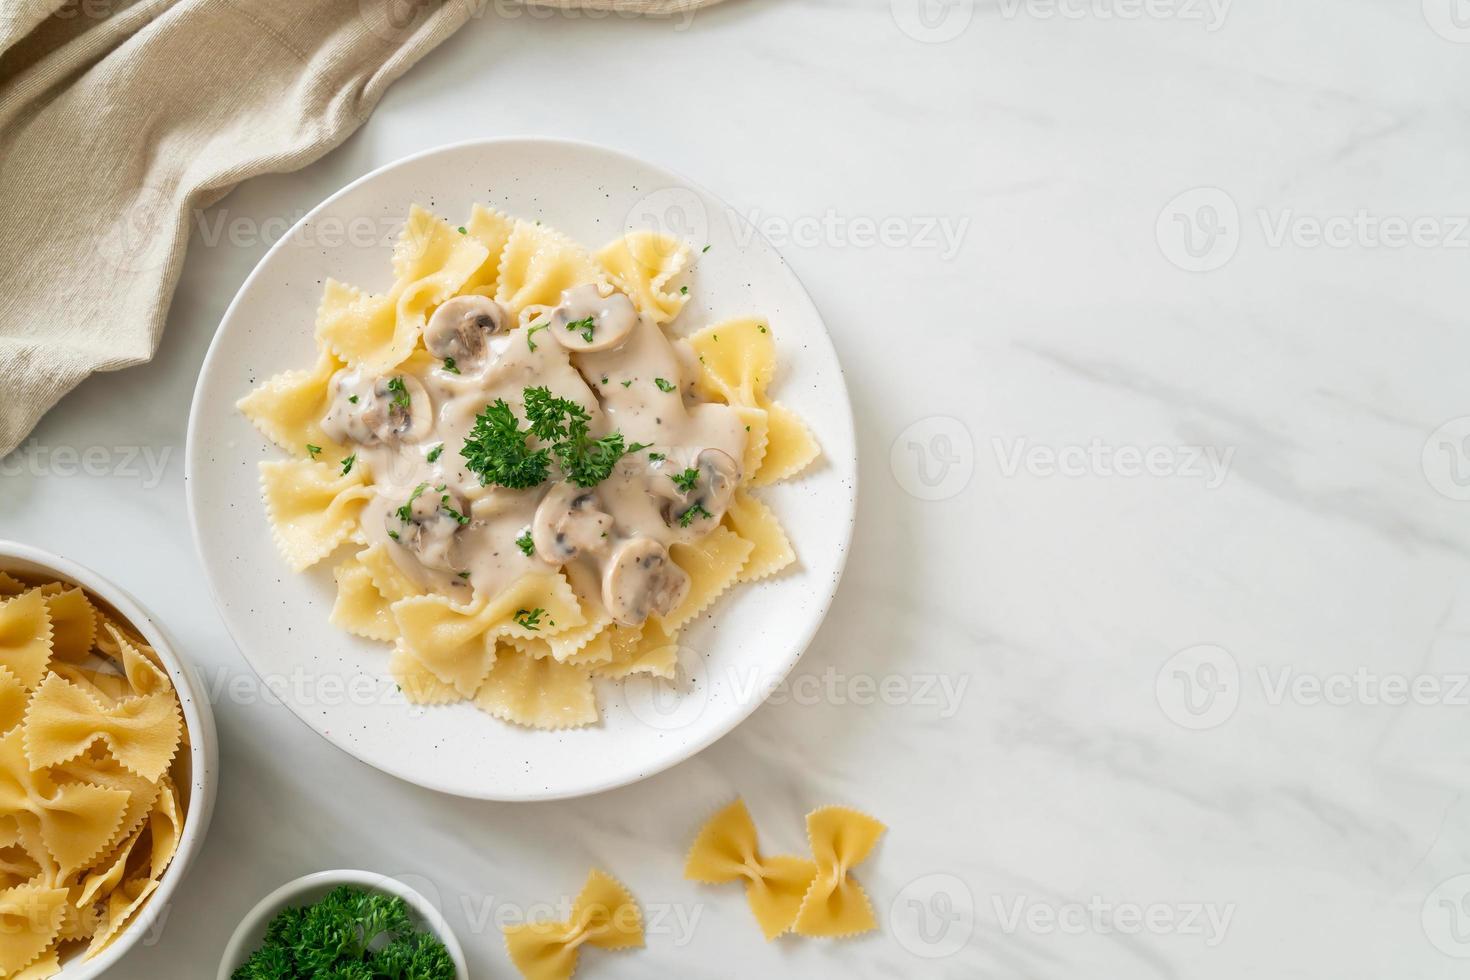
pixel 569 523
pixel 392 408
pixel 428 525
pixel 587 321
pixel 462 327
pixel 694 512
pixel 642 580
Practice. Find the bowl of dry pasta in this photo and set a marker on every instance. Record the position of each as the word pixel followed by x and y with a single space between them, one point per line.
pixel 108 758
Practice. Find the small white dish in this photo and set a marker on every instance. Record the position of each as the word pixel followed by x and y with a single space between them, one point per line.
pixel 198 718
pixel 250 933
pixel 730 659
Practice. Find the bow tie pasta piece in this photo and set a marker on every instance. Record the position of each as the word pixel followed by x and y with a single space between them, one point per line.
pixel 739 361
pixel 10 585
pixel 537 692
pixel 123 905
pixel 604 915
pixel 713 564
pixel 539 265
pixel 30 918
pixel 646 649
pixel 13 698
pixel 96 768
pixel 25 637
pixel 73 622
pixel 753 521
pixel 64 720
pixel 642 264
pixel 432 261
pixel 360 608
pixel 140 668
pixel 77 820
pixel 491 228
pixel 288 409
pixel 312 507
pixel 417 682
pixel 726 850
pixel 836 905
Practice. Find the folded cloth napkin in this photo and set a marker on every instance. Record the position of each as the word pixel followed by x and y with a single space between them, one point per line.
pixel 118 118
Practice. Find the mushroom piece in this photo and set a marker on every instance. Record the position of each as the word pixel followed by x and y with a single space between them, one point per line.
pixel 587 321
pixel 568 523
pixel 461 328
pixel 695 512
pixel 429 525
pixel 393 408
pixel 641 579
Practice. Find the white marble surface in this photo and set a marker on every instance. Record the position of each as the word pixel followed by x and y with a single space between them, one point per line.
pixel 1079 810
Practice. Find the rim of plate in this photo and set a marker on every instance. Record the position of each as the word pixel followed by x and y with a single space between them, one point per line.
pixel 203 745
pixel 689 750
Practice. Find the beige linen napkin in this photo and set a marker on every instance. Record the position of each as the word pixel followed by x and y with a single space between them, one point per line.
pixel 118 118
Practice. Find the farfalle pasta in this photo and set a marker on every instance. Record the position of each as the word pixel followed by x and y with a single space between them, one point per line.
pixel 534 481
pixel 604 914
pixel 90 769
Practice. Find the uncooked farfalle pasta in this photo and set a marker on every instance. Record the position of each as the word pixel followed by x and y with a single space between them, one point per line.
pixel 537 481
pixel 91 771
pixel 604 915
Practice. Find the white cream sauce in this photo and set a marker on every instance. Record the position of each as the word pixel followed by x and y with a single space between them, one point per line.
pixel 459 537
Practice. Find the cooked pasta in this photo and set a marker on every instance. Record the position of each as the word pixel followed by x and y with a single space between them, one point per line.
pixel 539 482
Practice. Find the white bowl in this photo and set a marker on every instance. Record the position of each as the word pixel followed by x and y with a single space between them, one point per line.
pixel 731 658
pixel 198 717
pixel 313 887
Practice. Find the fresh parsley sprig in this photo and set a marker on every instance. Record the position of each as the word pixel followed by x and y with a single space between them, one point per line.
pixel 498 450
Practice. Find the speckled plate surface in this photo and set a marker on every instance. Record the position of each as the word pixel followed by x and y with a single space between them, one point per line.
pixel 338 684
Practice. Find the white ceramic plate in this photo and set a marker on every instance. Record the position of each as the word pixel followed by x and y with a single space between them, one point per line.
pixel 338 684
pixel 203 747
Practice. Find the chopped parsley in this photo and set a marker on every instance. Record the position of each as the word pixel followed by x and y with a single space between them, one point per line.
pixel 347 464
pixel 450 366
pixel 585 461
pixel 584 326
pixel 464 574
pixel 663 385
pixel 529 618
pixel 657 457
pixel 313 450
pixel 531 331
pixel 638 447
pixel 393 535
pixel 627 383
pixel 462 519
pixel 525 543
pixel 405 513
pixel 353 399
pixel 687 518
pixel 435 453
pixel 498 451
pixel 763 329
pixel 683 290
pixel 706 248
pixel 401 398
pixel 685 481
pixel 461 230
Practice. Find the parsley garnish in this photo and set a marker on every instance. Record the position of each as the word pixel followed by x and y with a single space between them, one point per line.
pixel 638 447
pixel 685 481
pixel 706 248
pixel 657 457
pixel 450 366
pixel 584 326
pixel 529 618
pixel 393 535
pixel 405 513
pixel 401 398
pixel 313 450
pixel 531 330
pixel 663 385
pixel 497 450
pixel 585 461
pixel 463 519
pixel 763 329
pixel 435 453
pixel 687 518
pixel 352 399
pixel 525 543
pixel 464 574
pixel 347 464
pixel 683 290
pixel 627 383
